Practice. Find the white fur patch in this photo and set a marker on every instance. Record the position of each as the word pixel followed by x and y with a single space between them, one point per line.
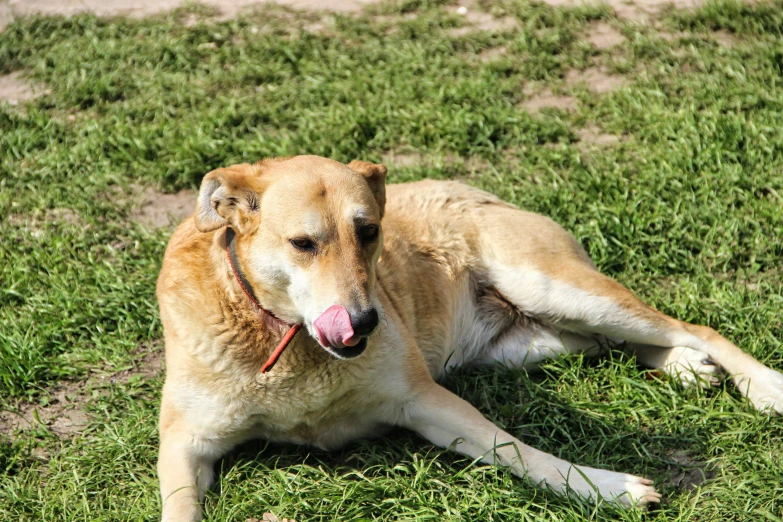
pixel 559 303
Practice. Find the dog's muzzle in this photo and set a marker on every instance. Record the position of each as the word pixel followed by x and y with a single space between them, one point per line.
pixel 344 334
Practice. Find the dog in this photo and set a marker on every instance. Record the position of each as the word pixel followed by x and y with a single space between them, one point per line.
pixel 306 301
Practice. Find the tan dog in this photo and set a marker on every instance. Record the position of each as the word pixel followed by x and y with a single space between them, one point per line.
pixel 454 277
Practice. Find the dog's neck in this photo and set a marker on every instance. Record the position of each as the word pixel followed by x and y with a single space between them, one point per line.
pixel 247 288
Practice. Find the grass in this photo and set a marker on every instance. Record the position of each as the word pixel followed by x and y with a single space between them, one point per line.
pixel 686 209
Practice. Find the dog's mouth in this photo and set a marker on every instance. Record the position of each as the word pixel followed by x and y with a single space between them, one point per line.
pixel 336 335
pixel 348 352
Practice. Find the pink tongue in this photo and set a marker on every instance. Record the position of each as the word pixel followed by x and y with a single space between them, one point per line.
pixel 334 328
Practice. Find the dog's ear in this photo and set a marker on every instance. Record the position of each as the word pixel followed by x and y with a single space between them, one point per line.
pixel 375 174
pixel 229 196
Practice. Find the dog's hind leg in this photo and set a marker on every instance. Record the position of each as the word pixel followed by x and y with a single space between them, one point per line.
pixel 528 344
pixel 542 270
pixel 568 293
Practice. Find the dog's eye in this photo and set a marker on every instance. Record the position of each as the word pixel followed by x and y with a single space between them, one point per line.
pixel 369 233
pixel 304 244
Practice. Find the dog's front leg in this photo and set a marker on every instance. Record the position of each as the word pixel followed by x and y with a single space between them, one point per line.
pixel 449 421
pixel 185 470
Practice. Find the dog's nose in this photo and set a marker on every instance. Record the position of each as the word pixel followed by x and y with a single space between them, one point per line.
pixel 364 322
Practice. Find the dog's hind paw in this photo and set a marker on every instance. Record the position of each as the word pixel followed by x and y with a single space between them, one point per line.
pixel 764 390
pixel 692 368
pixel 618 488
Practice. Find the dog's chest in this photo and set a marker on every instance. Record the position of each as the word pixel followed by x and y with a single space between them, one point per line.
pixel 326 405
pixel 324 411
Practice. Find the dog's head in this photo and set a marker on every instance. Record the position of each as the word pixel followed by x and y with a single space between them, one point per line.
pixel 308 233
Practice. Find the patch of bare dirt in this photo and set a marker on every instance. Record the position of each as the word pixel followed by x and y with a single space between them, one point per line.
pixel 670 37
pixel 391 20
pixel 159 210
pixel 322 25
pixel 597 79
pixel 62 410
pixel 56 414
pixel 469 164
pixel 493 53
pixel 58 215
pixel 403 159
pixel 477 20
pixel 475 164
pixel 15 89
pixel 35 223
pixel 142 8
pixel 657 5
pixel 6 16
pixel 547 99
pixel 725 38
pixel 687 472
pixel 634 10
pixel 592 136
pixel 604 36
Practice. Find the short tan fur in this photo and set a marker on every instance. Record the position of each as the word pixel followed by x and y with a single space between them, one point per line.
pixel 456 275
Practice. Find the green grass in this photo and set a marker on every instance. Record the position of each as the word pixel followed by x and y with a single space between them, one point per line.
pixel 687 210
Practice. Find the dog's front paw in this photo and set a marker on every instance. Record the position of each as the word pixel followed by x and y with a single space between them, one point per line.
pixel 764 390
pixel 619 488
pixel 692 367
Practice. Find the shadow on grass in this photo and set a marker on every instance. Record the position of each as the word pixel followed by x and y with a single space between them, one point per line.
pixel 670 452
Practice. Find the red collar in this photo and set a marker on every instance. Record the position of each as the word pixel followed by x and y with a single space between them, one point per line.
pixel 244 284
